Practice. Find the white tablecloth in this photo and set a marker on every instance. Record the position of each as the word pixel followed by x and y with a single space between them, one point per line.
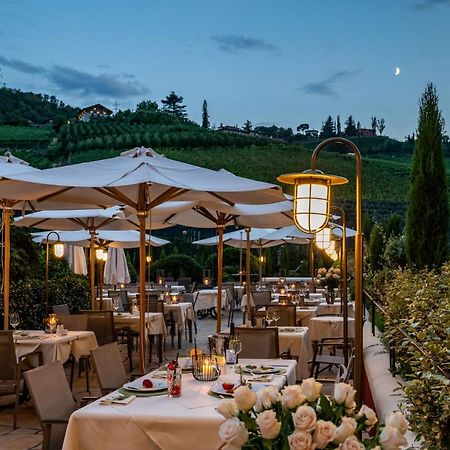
pixel 154 322
pixel 335 308
pixel 181 312
pixel 330 326
pixel 54 347
pixel 297 341
pixel 158 422
pixel 207 298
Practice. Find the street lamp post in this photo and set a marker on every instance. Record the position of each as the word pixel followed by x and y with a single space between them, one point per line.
pixel 59 253
pixel 311 214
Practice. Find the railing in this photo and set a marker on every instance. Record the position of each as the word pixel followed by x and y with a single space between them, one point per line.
pixel 392 354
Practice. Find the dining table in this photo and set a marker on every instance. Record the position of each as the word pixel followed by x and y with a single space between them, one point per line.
pixel 54 347
pixel 207 299
pixel 330 326
pixel 182 313
pixel 158 422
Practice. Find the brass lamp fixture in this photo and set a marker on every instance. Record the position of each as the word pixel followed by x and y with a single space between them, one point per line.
pixel 323 239
pixel 311 198
pixel 311 214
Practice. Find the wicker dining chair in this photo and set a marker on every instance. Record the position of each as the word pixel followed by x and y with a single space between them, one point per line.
pixel 11 370
pixel 259 343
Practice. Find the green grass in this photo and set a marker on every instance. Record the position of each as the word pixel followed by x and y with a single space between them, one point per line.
pixel 30 134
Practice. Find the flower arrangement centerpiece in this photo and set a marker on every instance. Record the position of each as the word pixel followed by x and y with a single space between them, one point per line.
pixel 330 279
pixel 303 418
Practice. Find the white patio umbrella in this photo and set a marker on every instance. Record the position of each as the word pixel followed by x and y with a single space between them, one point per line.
pixel 141 179
pixel 76 259
pixel 116 267
pixel 9 165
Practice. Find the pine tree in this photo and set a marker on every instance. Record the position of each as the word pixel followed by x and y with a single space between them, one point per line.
pixel 338 126
pixel 358 128
pixel 248 127
pixel 350 129
pixel 328 129
pixel 173 103
pixel 205 115
pixel 427 217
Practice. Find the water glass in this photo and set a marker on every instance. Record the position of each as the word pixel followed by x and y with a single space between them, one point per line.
pixel 174 381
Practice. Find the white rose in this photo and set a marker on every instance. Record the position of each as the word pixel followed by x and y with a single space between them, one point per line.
pixel 266 397
pixel 300 441
pixel 391 439
pixel 397 420
pixel 351 443
pixel 228 408
pixel 292 396
pixel 324 433
pixel 311 388
pixel 304 419
pixel 344 393
pixel 371 417
pixel 345 429
pixel 268 424
pixel 233 432
pixel 244 398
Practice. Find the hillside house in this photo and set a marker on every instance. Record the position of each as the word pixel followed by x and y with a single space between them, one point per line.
pixel 94 112
pixel 367 132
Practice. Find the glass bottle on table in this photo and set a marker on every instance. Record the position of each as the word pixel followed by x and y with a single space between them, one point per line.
pixel 235 347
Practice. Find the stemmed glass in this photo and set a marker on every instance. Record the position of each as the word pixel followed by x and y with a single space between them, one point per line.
pixel 275 316
pixel 235 347
pixel 269 318
pixel 116 304
pixel 14 320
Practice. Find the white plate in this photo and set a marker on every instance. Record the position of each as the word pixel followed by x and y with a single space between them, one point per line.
pixel 262 370
pixel 137 386
pixel 217 388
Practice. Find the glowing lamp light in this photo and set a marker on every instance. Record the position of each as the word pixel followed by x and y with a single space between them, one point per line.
pixel 58 249
pixel 105 256
pixel 148 259
pixel 311 198
pixel 99 254
pixel 323 239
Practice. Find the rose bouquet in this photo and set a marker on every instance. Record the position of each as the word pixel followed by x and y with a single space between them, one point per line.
pixel 329 278
pixel 302 418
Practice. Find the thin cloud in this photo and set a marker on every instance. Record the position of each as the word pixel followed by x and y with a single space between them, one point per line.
pixel 428 4
pixel 233 43
pixel 327 86
pixel 21 66
pixel 107 85
pixel 71 80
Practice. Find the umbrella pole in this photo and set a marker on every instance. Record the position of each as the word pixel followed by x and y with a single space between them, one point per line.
pixel 311 264
pixel 219 277
pixel 248 276
pixel 260 265
pixel 7 255
pixel 240 262
pixel 142 260
pixel 92 266
pixel 100 283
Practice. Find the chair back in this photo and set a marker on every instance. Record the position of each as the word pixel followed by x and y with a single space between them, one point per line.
pixel 185 281
pixel 109 367
pixel 154 306
pixel 74 322
pixel 261 298
pixel 8 365
pixel 102 324
pixel 52 398
pixel 61 310
pixel 229 287
pixel 287 314
pixel 261 343
pixel 50 391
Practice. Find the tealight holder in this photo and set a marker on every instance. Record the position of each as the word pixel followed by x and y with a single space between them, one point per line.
pixel 205 368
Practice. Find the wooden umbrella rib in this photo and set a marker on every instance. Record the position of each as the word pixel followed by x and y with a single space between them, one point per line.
pixel 53 194
pixel 166 196
pixel 223 199
pixel 79 222
pixel 117 195
pixel 205 213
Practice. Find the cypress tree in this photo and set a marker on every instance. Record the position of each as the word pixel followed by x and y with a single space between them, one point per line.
pixel 427 216
pixel 205 115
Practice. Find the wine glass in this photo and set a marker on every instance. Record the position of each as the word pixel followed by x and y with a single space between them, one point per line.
pixel 235 347
pixel 269 318
pixel 116 304
pixel 14 320
pixel 276 316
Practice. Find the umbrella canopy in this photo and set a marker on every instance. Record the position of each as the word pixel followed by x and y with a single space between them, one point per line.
pixel 116 267
pixel 291 235
pixel 9 165
pixel 140 179
pixel 238 239
pixel 76 259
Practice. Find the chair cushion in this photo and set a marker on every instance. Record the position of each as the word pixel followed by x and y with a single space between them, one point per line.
pixel 7 387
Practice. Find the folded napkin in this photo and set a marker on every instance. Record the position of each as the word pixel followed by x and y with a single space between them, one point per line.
pixel 161 374
pixel 261 378
pixel 118 399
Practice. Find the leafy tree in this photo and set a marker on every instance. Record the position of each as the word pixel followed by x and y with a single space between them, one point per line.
pixel 303 127
pixel 373 122
pixel 393 226
pixel 381 126
pixel 147 105
pixel 248 127
pixel 328 129
pixel 427 217
pixel 350 129
pixel 173 104
pixel 205 115
pixel 338 126
pixel 376 247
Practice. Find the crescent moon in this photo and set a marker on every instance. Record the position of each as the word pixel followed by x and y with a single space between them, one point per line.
pixel 397 71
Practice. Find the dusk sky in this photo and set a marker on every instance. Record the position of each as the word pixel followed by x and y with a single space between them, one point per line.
pixel 282 63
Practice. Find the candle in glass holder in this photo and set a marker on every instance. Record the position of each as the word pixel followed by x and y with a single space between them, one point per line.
pixel 52 322
pixel 282 291
pixel 174 298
